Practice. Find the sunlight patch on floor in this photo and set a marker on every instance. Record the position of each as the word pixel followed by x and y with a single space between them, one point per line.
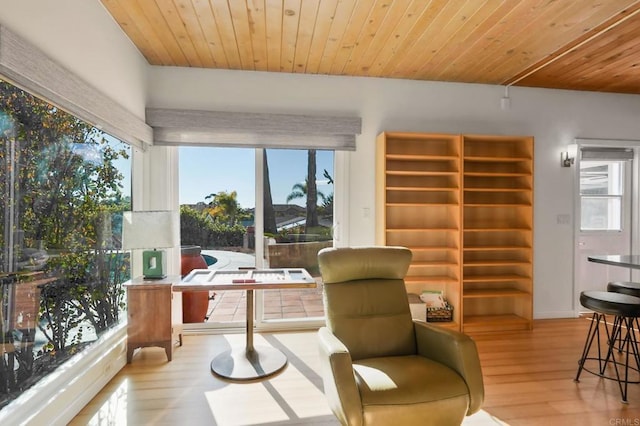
pixel 257 406
pixel 288 396
pixel 114 409
pixel 482 418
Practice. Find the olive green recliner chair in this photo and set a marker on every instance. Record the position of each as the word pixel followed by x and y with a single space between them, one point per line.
pixel 380 367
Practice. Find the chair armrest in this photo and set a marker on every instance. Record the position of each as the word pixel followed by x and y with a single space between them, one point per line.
pixel 458 352
pixel 339 379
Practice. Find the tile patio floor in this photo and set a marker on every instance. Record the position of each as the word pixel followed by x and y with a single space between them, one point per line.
pixel 231 305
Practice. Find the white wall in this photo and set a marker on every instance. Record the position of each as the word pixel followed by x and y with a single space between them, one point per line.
pixel 553 117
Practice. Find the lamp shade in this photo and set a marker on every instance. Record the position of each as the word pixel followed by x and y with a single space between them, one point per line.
pixel 149 229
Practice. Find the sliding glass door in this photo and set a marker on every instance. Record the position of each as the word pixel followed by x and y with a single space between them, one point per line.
pixel 217 214
pixel 291 220
pixel 298 222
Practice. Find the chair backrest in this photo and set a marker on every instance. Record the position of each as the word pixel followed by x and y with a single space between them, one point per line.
pixel 365 299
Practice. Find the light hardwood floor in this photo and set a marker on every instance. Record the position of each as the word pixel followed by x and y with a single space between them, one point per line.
pixel 528 381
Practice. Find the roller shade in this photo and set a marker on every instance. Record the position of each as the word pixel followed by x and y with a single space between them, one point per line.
pixel 259 130
pixel 29 68
pixel 598 153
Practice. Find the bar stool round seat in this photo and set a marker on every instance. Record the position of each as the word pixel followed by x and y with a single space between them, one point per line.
pixel 626 309
pixel 612 303
pixel 624 287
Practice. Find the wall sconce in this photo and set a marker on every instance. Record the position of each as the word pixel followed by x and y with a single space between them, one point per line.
pixel 568 157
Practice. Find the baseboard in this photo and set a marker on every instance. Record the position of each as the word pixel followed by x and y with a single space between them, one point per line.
pixel 555 315
pixel 59 397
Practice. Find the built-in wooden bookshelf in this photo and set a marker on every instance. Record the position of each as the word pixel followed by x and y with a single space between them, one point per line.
pixel 497 260
pixel 464 205
pixel 420 191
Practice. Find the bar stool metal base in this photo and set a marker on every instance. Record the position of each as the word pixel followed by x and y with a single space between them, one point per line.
pixel 626 309
pixel 623 287
pixel 617 333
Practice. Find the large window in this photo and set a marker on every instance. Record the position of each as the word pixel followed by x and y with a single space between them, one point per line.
pixel 64 186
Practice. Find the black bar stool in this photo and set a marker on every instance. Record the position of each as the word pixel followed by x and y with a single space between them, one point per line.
pixel 623 287
pixel 619 305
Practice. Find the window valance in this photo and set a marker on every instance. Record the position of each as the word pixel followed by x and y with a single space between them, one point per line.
pixel 601 153
pixel 31 69
pixel 259 130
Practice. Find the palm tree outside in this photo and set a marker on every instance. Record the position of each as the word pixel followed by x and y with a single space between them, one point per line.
pixel 299 190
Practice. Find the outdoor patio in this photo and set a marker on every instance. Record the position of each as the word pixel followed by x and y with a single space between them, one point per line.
pixel 231 305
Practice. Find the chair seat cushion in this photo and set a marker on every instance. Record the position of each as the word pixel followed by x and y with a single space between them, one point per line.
pixel 410 379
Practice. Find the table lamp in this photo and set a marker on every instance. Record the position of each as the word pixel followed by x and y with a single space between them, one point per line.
pixel 150 230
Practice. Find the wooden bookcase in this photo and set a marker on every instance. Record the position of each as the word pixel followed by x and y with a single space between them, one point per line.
pixel 419 191
pixel 497 265
pixel 464 205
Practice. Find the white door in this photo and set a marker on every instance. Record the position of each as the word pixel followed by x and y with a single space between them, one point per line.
pixel 604 216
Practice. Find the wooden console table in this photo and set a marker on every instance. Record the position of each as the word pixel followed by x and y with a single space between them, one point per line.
pixel 250 362
pixel 149 315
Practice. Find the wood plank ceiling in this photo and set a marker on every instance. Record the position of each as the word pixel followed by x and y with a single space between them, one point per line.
pixel 568 44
